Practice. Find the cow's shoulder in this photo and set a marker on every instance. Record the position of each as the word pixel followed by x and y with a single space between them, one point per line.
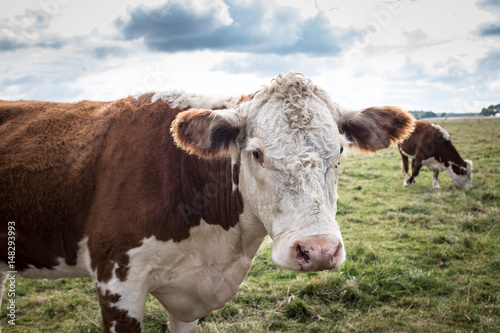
pixel 422 127
pixel 428 129
pixel 147 187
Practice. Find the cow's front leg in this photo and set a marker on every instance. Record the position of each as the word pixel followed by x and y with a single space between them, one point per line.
pixel 435 183
pixel 120 313
pixel 121 280
pixel 406 183
pixel 177 326
pixel 404 161
pixel 409 180
pixel 416 165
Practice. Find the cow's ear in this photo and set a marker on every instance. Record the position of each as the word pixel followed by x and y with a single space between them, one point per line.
pixel 376 127
pixel 206 133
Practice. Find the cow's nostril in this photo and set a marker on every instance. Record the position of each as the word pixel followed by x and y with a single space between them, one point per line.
pixel 302 253
pixel 338 250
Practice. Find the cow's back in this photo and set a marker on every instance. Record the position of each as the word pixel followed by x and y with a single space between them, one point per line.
pixel 425 138
pixel 48 154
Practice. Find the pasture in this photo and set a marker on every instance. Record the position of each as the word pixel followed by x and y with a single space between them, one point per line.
pixel 418 260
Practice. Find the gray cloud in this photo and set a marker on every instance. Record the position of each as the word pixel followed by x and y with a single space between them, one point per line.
pixel 8 44
pixel 52 43
pixel 489 3
pixel 256 28
pixel 489 65
pixel 103 52
pixel 28 31
pixel 490 29
pixel 27 27
pixel 451 72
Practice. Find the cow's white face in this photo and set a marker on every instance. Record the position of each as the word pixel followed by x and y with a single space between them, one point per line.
pixel 463 179
pixel 289 168
pixel 288 140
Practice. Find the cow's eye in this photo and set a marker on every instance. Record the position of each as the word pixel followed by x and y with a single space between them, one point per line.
pixel 257 154
pixel 341 149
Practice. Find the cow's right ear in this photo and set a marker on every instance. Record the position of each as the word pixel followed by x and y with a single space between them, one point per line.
pixel 376 127
pixel 206 133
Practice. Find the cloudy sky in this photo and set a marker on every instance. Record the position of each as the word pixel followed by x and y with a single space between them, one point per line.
pixel 441 55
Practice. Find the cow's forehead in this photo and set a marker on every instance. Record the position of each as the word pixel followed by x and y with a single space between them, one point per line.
pixel 292 101
pixel 294 124
pixel 294 151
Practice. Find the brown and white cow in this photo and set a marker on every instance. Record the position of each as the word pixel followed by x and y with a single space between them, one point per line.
pixel 430 145
pixel 172 194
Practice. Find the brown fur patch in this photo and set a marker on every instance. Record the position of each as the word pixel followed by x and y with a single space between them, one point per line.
pixel 47 154
pixel 202 133
pixel 377 127
pixel 108 171
pixel 246 98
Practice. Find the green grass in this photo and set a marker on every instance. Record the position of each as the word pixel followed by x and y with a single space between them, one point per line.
pixel 418 260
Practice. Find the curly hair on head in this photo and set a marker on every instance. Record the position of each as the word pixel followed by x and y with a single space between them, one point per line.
pixel 294 88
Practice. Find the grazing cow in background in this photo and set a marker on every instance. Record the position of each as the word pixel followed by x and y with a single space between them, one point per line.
pixel 430 145
pixel 173 193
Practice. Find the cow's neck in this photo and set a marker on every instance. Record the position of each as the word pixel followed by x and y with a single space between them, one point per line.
pixel 207 192
pixel 212 196
pixel 205 270
pixel 452 158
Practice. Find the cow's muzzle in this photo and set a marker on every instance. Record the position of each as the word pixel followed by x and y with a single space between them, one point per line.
pixel 317 254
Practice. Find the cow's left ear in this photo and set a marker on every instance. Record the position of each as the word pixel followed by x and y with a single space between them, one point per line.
pixel 206 133
pixel 376 127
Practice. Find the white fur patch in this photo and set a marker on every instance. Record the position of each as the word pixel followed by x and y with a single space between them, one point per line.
pixel 190 278
pixel 182 100
pixel 406 154
pixel 344 141
pixel 294 123
pixel 433 164
pixel 406 183
pixel 462 181
pixel 445 134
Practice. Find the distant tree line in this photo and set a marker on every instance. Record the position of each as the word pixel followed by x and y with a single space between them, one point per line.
pixel 423 114
pixel 490 111
pixel 467 114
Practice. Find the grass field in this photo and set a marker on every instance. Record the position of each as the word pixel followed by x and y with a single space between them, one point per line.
pixel 418 260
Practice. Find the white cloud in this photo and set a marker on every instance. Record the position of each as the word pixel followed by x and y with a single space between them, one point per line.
pixel 423 54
